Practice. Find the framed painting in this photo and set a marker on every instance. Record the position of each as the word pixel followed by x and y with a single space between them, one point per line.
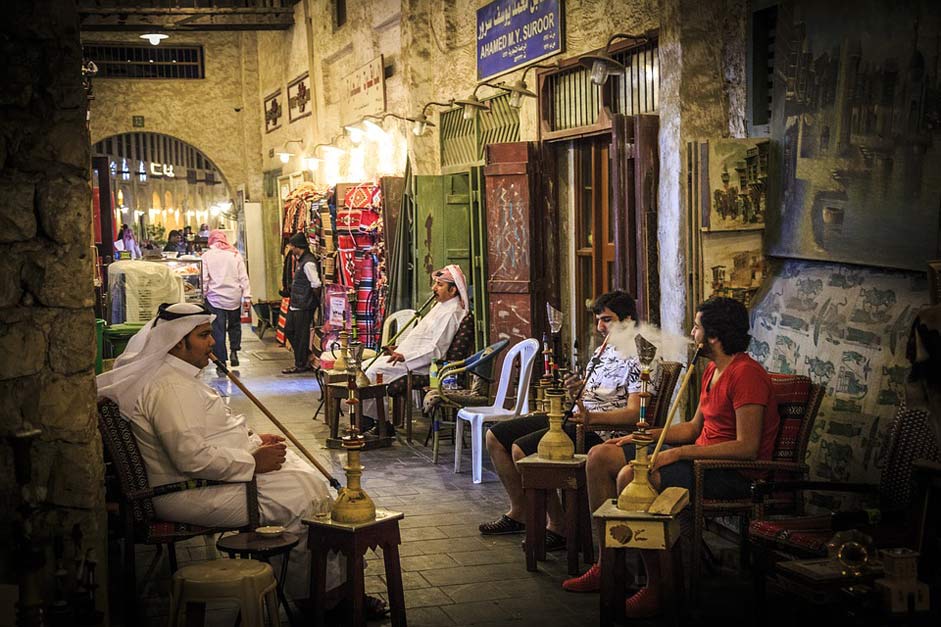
pixel 736 176
pixel 299 98
pixel 273 111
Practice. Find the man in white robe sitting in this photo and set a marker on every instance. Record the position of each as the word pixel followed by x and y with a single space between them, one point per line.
pixel 184 430
pixel 429 339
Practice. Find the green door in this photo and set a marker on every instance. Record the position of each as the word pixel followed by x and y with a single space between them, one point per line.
pixel 448 231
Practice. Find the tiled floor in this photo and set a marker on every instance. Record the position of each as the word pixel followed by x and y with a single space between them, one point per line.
pixel 452 575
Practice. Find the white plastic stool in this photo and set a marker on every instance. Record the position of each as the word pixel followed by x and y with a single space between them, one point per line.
pixel 248 582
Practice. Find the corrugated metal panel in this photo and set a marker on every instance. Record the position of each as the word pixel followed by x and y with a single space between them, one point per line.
pixel 463 141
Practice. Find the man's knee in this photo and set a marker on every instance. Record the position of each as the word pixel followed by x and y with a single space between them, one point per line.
pixel 517 453
pixel 625 476
pixel 604 460
pixel 492 442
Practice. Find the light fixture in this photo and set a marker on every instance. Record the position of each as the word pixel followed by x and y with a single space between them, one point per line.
pixel 285 154
pixel 518 89
pixel 602 64
pixel 374 131
pixel 354 132
pixel 311 163
pixel 472 104
pixel 154 38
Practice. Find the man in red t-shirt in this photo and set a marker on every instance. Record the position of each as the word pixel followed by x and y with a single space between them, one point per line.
pixel 737 418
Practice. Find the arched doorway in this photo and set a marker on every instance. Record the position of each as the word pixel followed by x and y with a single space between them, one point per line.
pixel 158 183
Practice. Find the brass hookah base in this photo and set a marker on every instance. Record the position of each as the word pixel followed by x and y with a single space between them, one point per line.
pixel 555 445
pixel 639 493
pixel 353 505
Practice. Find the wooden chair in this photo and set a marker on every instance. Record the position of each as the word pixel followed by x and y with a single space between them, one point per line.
pixel 135 499
pixel 400 390
pixel 907 497
pixel 798 402
pixel 657 408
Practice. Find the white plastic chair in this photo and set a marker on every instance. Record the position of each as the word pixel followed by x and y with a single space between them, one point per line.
pixel 477 416
pixel 396 320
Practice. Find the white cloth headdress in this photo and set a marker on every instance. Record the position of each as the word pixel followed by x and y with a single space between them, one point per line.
pixel 146 350
pixel 453 274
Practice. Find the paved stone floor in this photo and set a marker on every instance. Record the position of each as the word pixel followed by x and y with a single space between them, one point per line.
pixel 452 575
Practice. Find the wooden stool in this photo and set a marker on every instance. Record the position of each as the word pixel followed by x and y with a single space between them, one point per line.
pixel 336 393
pixel 353 540
pixel 539 476
pixel 249 582
pixel 638 530
pixel 250 545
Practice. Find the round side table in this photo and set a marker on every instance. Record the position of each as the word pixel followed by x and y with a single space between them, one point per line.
pixel 252 545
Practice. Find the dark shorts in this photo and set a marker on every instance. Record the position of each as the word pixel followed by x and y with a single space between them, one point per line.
pixel 526 431
pixel 719 484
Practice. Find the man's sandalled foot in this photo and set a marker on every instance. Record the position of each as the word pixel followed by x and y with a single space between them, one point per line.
pixel 235 358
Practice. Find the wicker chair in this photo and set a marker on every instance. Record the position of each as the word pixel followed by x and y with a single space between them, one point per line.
pixel 135 499
pixel 912 470
pixel 798 402
pixel 400 390
pixel 657 407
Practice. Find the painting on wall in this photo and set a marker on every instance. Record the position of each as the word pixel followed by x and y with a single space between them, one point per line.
pixel 733 264
pixel 299 98
pixel 273 111
pixel 856 128
pixel 737 194
pixel 846 327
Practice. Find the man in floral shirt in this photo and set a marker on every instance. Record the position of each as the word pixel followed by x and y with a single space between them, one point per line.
pixel 610 397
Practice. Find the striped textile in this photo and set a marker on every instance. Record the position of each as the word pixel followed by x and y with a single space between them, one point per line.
pixel 792 393
pixel 282 322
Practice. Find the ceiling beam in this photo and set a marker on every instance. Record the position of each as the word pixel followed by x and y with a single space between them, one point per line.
pixel 203 19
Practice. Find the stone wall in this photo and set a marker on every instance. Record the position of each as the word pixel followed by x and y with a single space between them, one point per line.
pixel 47 324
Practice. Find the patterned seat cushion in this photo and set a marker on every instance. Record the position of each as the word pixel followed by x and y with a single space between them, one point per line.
pixel 789 532
pixel 792 393
pixel 163 531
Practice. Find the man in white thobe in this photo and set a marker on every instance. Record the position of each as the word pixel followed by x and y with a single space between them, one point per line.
pixel 430 338
pixel 185 430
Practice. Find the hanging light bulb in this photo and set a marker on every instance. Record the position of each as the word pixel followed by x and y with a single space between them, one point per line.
pixel 285 156
pixel 602 65
pixel 311 163
pixel 374 132
pixel 154 38
pixel 355 133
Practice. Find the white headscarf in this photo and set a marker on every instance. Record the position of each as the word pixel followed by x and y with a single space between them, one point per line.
pixel 453 274
pixel 146 351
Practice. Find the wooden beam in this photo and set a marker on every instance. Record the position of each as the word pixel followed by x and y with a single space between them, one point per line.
pixel 136 19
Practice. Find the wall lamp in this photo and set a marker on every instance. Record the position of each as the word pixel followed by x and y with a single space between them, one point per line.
pixel 154 38
pixel 285 153
pixel 518 89
pixel 472 104
pixel 603 65
pixel 421 122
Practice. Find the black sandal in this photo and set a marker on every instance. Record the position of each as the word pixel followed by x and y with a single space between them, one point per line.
pixel 554 542
pixel 502 526
pixel 295 370
pixel 374 608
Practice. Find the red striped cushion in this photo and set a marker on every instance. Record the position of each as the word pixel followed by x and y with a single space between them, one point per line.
pixel 792 393
pixel 813 540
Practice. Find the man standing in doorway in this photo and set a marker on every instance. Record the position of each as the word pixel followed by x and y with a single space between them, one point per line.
pixel 305 298
pixel 225 282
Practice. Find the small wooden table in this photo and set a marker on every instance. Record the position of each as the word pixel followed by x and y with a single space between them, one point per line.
pixel 251 545
pixel 638 530
pixel 325 535
pixel 337 393
pixel 539 476
pixel 325 376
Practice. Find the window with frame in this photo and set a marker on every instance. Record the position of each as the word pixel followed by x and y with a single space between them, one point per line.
pixel 146 61
pixel 761 71
pixel 594 231
pixel 339 13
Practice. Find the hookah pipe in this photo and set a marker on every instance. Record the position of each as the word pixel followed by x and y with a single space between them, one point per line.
pixel 676 401
pixel 595 360
pixel 330 478
pixel 418 314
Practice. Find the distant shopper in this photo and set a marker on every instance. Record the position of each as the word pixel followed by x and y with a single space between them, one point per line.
pixel 225 283
pixel 127 242
pixel 175 243
pixel 305 298
pixel 203 230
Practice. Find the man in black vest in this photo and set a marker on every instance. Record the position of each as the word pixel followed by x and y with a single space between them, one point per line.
pixel 305 298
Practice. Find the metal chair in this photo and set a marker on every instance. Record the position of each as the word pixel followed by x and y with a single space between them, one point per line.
pixel 478 415
pixel 135 499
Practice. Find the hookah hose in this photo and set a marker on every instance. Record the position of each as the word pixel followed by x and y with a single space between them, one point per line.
pixel 595 360
pixel 411 321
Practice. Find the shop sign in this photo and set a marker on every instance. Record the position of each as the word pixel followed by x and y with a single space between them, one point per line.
pixel 514 33
pixel 365 90
pixel 162 169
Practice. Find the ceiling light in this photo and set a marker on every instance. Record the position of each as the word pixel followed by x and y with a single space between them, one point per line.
pixel 154 38
pixel 602 65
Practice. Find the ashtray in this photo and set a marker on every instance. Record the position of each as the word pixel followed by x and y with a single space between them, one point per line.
pixel 270 531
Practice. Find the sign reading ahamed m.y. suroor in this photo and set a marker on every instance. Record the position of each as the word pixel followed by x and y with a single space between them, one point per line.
pixel 513 33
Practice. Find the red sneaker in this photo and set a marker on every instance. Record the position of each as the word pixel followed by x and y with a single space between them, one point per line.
pixel 590 581
pixel 642 604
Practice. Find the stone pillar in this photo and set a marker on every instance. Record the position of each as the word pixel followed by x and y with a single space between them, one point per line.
pixel 702 95
pixel 47 324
